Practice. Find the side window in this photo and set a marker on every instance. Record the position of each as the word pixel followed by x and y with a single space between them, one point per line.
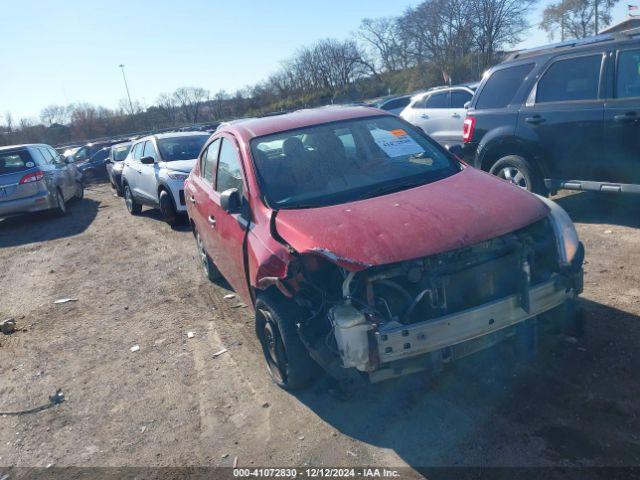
pixel 397 103
pixel 39 157
pixel 149 150
pixel 628 75
pixel 499 90
pixel 137 151
pixel 46 154
pixel 570 80
pixel 420 103
pixel 229 168
pixel 81 154
pixel 209 161
pixel 55 155
pixel 438 100
pixel 459 98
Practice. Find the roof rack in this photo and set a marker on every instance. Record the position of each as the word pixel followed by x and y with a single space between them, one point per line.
pixel 577 42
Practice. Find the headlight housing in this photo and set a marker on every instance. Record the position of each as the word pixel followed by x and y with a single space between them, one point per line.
pixel 178 175
pixel 566 236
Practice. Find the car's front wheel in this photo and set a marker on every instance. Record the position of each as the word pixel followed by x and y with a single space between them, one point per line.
pixel 168 208
pixel 79 191
pixel 288 361
pixel 520 172
pixel 133 206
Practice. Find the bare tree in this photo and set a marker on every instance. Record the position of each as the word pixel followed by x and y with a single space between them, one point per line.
pixel 576 18
pixel 190 100
pixel 54 114
pixel 385 42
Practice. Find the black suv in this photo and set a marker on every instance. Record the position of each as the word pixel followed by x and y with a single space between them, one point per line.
pixel 562 116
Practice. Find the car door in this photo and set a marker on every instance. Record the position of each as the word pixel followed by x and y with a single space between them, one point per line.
pixel 200 193
pixel 148 178
pixel 621 157
pixel 229 228
pixel 564 116
pixel 132 170
pixel 67 171
pixel 434 118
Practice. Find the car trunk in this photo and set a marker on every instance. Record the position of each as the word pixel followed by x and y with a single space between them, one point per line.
pixel 14 167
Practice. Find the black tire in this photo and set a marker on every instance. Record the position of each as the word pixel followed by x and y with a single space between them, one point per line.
pixel 60 210
pixel 79 191
pixel 130 202
pixel 288 361
pixel 168 208
pixel 520 172
pixel 210 270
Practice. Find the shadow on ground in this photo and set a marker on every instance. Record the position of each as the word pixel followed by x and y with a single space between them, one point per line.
pixel 590 207
pixel 574 405
pixel 43 226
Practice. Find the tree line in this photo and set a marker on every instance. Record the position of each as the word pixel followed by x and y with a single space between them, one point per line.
pixel 436 42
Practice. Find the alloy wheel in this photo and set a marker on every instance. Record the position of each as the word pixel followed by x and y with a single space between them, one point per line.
pixel 128 199
pixel 272 347
pixel 514 176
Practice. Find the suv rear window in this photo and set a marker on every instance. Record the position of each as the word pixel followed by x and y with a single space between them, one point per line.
pixel 17 161
pixel 502 86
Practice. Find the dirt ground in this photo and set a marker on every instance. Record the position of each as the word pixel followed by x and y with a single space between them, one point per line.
pixel 173 403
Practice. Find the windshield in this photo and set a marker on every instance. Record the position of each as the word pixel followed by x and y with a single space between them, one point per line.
pixel 181 148
pixel 120 153
pixel 345 161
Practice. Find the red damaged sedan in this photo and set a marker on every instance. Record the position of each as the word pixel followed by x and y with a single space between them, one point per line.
pixel 369 251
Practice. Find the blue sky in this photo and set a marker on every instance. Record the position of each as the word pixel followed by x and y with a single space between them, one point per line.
pixel 67 51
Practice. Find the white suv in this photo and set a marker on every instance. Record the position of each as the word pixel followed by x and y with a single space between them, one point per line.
pixel 440 112
pixel 155 170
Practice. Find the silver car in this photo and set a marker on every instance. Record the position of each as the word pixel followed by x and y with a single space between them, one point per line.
pixel 35 177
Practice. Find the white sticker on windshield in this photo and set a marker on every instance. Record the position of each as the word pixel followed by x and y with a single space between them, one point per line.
pixel 29 164
pixel 396 143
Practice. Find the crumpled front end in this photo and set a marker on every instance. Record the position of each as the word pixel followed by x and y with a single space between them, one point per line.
pixel 389 320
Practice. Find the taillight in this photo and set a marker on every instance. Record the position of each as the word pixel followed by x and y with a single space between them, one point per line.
pixel 468 127
pixel 31 177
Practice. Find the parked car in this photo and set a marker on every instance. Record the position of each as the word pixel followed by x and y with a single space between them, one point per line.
pixel 393 104
pixel 155 170
pixel 35 177
pixel 562 116
pixel 365 247
pixel 94 168
pixel 85 152
pixel 440 112
pixel 115 164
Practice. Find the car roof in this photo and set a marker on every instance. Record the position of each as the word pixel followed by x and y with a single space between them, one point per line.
pixel 258 127
pixel 577 44
pixel 24 145
pixel 158 136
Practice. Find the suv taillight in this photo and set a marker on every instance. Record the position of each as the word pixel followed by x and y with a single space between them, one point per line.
pixel 31 177
pixel 468 127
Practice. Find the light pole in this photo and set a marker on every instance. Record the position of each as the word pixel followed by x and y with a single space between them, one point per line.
pixel 126 88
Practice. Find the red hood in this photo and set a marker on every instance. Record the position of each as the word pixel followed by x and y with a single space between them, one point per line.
pixel 455 212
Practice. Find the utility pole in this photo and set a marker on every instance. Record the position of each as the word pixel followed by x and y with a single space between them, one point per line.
pixel 126 88
pixel 596 10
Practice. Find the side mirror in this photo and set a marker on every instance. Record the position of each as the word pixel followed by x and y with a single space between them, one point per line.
pixel 455 149
pixel 230 200
pixel 147 160
pixel 467 105
pixel 66 159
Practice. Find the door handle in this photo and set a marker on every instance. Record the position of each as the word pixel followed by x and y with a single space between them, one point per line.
pixel 455 115
pixel 535 120
pixel 212 220
pixel 192 199
pixel 626 118
pixel 424 115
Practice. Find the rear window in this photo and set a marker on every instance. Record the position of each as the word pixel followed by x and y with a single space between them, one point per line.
pixel 502 86
pixel 17 161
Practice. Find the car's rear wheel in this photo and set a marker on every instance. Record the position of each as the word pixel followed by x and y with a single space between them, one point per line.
pixel 61 207
pixel 210 270
pixel 520 172
pixel 168 208
pixel 134 207
pixel 79 191
pixel 288 361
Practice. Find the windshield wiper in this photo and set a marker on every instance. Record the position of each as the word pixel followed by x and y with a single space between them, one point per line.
pixel 392 188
